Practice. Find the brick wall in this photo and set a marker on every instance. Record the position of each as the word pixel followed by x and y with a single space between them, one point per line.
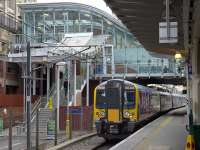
pixel 17 116
pixel 76 117
pixel 13 100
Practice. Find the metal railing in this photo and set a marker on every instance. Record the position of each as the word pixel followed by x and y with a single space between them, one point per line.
pixel 36 106
pixel 141 69
pixel 9 22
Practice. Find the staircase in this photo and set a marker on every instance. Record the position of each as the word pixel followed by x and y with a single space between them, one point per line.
pixel 44 115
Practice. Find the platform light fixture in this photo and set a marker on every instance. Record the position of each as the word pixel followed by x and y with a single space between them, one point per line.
pixel 5 111
pixel 178 56
pixel 46 14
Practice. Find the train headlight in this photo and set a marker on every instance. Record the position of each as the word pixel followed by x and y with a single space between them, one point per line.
pixel 126 114
pixel 102 114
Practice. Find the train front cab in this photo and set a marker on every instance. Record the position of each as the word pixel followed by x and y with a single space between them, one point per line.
pixel 115 110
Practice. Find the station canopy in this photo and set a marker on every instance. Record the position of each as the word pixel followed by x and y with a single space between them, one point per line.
pixel 142 18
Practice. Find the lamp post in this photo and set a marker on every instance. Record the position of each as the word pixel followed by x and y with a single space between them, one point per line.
pixel 58 65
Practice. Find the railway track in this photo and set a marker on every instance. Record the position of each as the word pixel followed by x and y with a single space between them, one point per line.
pixel 88 143
pixel 106 145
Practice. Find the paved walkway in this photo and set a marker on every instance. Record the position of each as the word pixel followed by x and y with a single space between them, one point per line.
pixel 165 133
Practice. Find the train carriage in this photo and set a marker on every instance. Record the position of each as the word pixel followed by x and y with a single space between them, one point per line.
pixel 120 105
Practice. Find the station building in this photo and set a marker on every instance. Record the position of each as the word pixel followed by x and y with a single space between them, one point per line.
pixel 50 24
pixel 9 72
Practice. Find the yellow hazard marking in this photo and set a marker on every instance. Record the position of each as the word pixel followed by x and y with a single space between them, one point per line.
pixel 190 143
pixel 50 103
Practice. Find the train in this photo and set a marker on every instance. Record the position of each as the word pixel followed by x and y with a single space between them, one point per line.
pixel 120 105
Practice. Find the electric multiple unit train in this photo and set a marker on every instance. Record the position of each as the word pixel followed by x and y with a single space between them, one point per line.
pixel 119 105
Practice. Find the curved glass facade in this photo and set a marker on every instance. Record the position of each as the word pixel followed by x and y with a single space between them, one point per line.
pixel 49 22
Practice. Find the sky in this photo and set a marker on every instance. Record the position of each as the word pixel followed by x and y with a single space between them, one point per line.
pixel 95 3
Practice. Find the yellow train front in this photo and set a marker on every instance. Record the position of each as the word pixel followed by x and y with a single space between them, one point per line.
pixel 115 110
pixel 120 105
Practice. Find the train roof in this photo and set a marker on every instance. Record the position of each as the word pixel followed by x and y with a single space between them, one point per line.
pixel 179 95
pixel 121 80
pixel 140 87
pixel 128 83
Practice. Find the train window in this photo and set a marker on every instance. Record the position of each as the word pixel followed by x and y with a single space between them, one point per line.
pixel 100 99
pixel 109 98
pixel 129 96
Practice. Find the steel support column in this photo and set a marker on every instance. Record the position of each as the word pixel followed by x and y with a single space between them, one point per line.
pixel 104 61
pixel 113 62
pixel 34 81
pixel 57 95
pixel 48 81
pixel 195 91
pixel 75 103
pixel 88 80
pixel 41 82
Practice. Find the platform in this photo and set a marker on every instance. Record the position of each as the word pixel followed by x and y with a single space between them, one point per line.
pixel 165 133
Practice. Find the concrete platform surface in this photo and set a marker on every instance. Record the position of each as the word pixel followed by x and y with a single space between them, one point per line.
pixel 165 133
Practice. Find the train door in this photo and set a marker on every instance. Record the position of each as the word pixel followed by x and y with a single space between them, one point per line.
pixel 114 99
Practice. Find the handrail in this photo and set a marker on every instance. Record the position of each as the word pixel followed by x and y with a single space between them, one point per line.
pixel 52 89
pixel 36 107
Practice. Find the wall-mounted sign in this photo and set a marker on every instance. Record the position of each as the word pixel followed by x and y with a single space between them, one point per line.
pixel 51 129
pixel 173 32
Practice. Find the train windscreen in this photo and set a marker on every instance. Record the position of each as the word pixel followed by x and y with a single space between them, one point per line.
pixel 108 99
pixel 100 99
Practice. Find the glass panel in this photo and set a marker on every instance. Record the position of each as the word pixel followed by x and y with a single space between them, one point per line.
pixel 39 26
pixel 30 25
pixel 129 96
pixel 97 25
pixel 39 19
pixel 113 97
pixel 49 27
pixel 59 18
pixel 100 98
pixel 85 22
pixel 73 21
pixel 59 29
pixel 108 29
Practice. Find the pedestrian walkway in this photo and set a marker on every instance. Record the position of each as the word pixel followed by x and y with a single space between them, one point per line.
pixel 165 133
